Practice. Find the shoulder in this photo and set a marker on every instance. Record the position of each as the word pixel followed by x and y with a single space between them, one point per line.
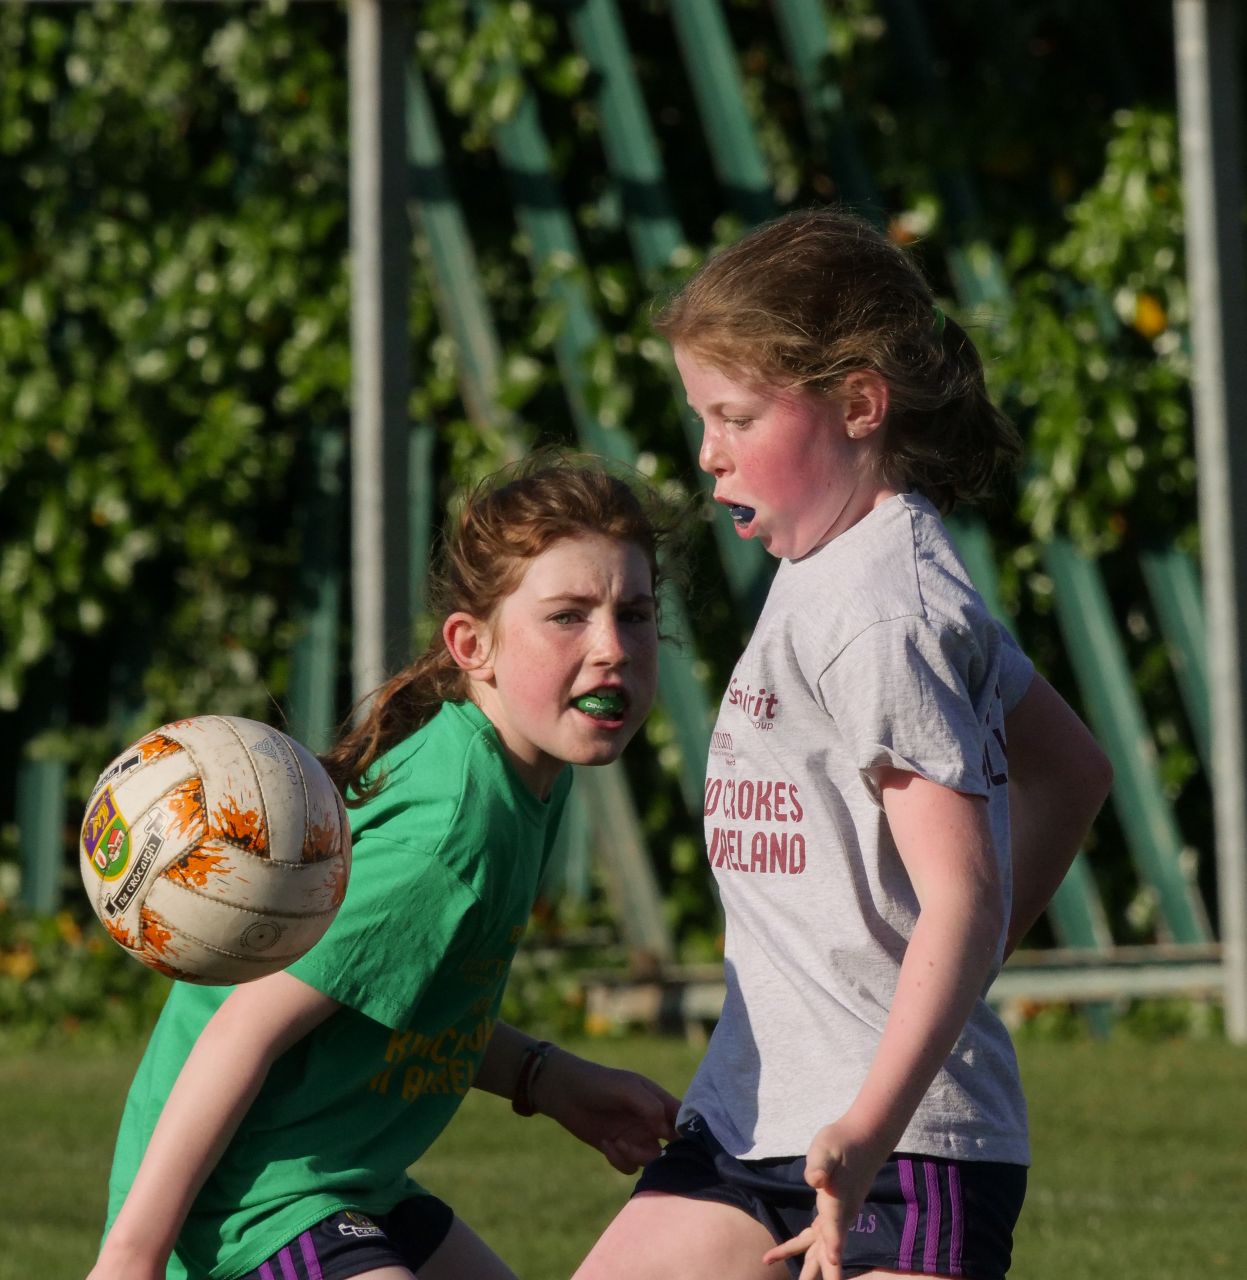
pixel 896 569
pixel 449 788
pixel 436 759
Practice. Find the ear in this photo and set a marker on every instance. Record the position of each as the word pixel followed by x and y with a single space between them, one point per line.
pixel 863 398
pixel 470 643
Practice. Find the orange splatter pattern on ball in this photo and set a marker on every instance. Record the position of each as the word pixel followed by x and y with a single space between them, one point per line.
pixel 119 933
pixel 156 745
pixel 242 827
pixel 185 804
pixel 192 870
pixel 154 932
pixel 336 881
pixel 320 842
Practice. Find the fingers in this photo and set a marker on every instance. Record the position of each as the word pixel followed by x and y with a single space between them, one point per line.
pixel 790 1248
pixel 659 1107
pixel 819 1263
pixel 670 1109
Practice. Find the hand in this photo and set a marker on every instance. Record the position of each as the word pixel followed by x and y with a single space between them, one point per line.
pixel 840 1167
pixel 622 1114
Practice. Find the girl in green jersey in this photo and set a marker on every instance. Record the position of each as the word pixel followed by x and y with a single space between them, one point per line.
pixel 271 1126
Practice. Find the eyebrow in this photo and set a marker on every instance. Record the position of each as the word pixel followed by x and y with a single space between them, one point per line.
pixel 571 598
pixel 740 403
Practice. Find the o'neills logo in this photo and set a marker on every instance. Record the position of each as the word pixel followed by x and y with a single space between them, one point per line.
pixel 758 704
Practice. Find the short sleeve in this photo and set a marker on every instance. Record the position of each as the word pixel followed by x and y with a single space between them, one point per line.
pixel 1016 671
pixel 905 694
pixel 405 919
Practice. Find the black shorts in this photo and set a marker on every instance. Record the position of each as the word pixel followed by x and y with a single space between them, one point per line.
pixel 349 1243
pixel 923 1215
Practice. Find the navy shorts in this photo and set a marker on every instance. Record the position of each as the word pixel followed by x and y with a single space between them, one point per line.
pixel 923 1215
pixel 350 1243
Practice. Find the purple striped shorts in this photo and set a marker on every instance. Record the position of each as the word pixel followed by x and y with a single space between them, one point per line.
pixel 350 1243
pixel 924 1215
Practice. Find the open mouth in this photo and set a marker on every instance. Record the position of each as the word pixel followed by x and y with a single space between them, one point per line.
pixel 603 704
pixel 741 514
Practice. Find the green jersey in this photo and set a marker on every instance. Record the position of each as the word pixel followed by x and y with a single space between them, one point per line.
pixel 447 859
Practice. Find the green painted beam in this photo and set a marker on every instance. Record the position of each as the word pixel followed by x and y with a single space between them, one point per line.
pixel 1094 647
pixel 315 658
pixel 1173 584
pixel 41 784
pixel 654 231
pixel 452 266
pixel 422 509
pixel 710 61
pixel 807 42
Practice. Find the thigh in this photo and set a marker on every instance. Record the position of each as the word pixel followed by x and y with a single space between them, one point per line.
pixel 657 1236
pixel 463 1255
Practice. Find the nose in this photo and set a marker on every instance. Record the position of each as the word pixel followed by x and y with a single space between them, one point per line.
pixel 609 649
pixel 712 457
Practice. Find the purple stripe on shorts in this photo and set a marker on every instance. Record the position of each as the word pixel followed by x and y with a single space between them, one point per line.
pixel 310 1260
pixel 931 1248
pixel 905 1262
pixel 956 1220
pixel 266 1272
pixel 286 1259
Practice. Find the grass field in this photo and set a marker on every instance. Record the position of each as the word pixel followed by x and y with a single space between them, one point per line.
pixel 1140 1163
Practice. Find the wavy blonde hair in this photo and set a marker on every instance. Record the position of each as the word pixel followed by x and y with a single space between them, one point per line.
pixel 809 298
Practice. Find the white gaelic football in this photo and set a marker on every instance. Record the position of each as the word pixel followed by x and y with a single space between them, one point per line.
pixel 215 850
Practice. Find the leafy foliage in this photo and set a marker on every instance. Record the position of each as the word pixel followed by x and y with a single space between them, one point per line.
pixel 173 317
pixel 61 982
pixel 1095 354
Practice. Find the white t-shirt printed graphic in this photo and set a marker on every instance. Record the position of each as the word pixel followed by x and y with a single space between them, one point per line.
pixel 874 651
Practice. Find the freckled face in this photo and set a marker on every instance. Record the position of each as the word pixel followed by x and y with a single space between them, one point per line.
pixel 581 621
pixel 785 455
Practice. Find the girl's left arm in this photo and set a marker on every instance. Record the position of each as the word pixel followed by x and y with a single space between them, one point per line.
pixel 620 1113
pixel 945 842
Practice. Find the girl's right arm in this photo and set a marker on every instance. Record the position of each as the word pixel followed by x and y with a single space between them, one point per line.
pixel 257 1022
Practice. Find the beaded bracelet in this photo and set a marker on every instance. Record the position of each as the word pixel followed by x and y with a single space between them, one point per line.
pixel 530 1068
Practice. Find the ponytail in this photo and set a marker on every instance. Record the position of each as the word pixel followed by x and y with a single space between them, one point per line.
pixel 403 704
pixel 947 439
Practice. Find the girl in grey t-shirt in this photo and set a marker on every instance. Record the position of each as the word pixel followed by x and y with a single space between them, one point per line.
pixel 877 850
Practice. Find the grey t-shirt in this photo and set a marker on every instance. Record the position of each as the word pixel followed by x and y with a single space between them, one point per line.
pixel 873 651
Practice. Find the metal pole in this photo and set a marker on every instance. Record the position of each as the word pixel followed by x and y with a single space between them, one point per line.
pixel 380 248
pixel 1212 157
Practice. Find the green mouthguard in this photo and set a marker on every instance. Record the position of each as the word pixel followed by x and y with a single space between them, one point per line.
pixel 600 704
